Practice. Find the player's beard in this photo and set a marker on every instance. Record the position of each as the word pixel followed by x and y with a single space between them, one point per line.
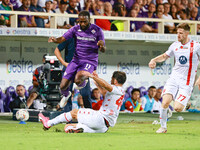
pixel 85 28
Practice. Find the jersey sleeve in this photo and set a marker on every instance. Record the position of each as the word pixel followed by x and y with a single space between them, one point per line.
pixel 170 52
pixel 70 33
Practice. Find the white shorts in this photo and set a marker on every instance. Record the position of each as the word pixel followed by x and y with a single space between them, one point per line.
pixel 91 121
pixel 178 89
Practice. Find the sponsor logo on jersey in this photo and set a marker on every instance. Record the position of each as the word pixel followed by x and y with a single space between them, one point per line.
pixel 183 47
pixel 182 60
pixel 86 38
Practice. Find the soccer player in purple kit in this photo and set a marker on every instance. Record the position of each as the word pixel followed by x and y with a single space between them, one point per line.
pixel 89 39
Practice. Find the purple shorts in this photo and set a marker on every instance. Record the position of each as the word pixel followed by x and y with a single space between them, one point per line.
pixel 74 67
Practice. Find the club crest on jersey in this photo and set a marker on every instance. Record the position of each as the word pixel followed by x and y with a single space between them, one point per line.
pixel 93 31
pixel 182 60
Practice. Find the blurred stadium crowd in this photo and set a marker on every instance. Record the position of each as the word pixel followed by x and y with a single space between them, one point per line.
pixel 135 99
pixel 164 9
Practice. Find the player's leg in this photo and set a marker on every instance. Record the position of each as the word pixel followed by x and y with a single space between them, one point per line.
pixel 81 79
pixel 168 94
pixel 91 121
pixel 66 81
pixel 167 98
pixel 182 99
pixel 65 91
pixel 86 94
pixel 64 117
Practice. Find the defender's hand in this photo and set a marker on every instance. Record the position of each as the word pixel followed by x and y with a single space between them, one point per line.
pixel 152 64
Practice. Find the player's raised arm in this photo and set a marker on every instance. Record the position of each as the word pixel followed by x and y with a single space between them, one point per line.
pixel 160 58
pixel 56 40
pixel 102 83
pixel 101 89
pixel 59 56
pixel 99 81
pixel 102 48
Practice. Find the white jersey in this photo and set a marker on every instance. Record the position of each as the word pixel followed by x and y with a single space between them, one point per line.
pixel 186 60
pixel 112 104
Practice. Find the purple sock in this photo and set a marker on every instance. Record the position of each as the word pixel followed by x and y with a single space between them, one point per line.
pixel 65 92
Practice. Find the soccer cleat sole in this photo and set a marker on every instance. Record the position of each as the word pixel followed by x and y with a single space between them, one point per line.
pixel 80 130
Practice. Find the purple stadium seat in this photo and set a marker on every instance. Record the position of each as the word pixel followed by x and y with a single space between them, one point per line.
pixel 129 90
pixel 143 91
pixel 30 88
pixel 10 95
pixel 2 100
pixel 26 93
pixel 126 96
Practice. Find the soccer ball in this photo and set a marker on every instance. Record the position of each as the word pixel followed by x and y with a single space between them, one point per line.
pixel 22 115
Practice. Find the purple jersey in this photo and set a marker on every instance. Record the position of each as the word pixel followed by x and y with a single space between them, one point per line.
pixel 86 43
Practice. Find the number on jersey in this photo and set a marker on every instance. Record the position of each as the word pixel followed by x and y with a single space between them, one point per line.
pixel 119 102
pixel 181 97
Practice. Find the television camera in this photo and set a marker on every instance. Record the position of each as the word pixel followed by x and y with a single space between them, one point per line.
pixel 50 80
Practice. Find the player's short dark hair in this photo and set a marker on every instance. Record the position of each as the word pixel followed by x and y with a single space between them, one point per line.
pixel 152 87
pixel 135 90
pixel 184 26
pixel 84 13
pixel 119 76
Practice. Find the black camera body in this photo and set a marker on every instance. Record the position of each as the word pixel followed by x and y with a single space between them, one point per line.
pixel 51 83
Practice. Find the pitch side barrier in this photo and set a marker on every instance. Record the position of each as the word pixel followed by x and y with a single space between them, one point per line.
pixel 53 20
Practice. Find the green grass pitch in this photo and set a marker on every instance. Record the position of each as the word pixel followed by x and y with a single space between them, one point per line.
pixel 132 132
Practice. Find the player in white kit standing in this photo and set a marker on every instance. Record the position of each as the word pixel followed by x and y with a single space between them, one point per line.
pixel 180 84
pixel 89 120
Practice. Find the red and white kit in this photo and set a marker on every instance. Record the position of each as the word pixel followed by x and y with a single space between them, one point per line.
pixel 95 121
pixel 181 81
